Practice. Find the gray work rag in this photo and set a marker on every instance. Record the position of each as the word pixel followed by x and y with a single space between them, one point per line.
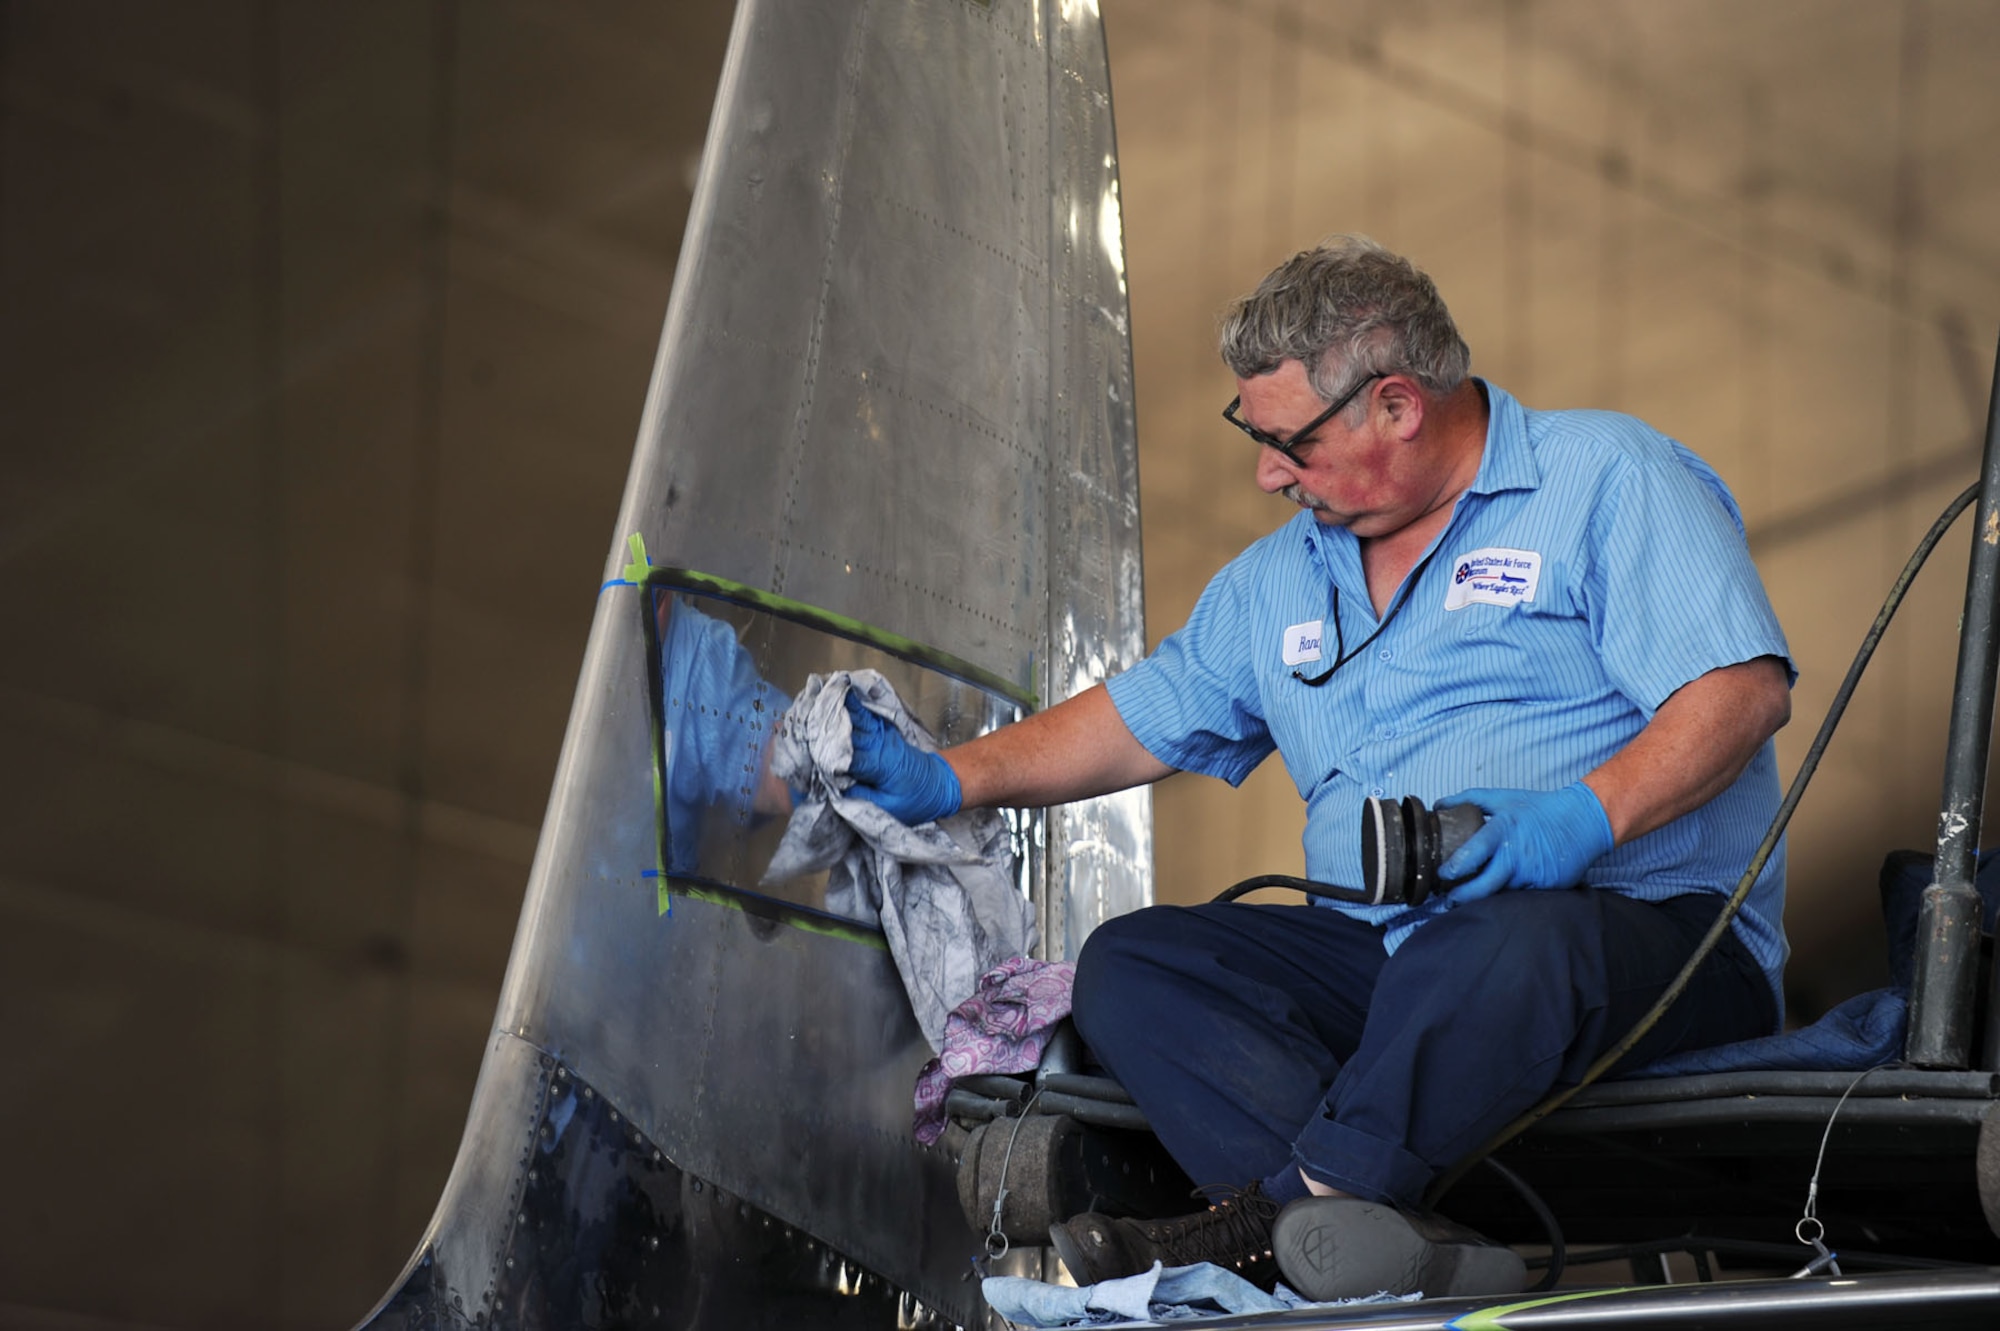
pixel 943 893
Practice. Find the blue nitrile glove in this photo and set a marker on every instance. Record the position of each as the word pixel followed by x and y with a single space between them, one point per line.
pixel 910 785
pixel 1532 838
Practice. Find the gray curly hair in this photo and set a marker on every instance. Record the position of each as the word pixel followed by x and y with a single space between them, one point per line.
pixel 1346 309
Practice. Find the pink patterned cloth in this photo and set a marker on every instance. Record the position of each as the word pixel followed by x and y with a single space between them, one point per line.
pixel 1003 1027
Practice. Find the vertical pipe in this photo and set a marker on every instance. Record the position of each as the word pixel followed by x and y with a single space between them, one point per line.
pixel 1989 1047
pixel 1941 999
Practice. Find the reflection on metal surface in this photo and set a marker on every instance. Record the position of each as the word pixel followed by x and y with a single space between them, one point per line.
pixel 724 813
pixel 1111 231
pixel 894 389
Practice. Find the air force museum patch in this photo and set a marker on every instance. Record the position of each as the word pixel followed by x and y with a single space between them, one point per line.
pixel 1493 576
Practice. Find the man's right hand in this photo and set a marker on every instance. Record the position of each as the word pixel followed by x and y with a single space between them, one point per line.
pixel 1532 838
pixel 910 785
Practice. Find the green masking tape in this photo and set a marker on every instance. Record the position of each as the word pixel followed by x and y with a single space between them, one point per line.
pixel 755 598
pixel 642 564
pixel 799 918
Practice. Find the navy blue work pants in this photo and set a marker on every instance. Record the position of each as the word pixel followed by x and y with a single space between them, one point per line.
pixel 1260 1036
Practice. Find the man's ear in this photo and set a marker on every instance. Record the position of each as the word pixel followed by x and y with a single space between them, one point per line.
pixel 1399 400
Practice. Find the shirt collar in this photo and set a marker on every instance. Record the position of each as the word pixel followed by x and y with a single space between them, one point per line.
pixel 1336 549
pixel 1509 460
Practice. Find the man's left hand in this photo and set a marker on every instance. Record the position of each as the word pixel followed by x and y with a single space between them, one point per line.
pixel 1532 838
pixel 893 774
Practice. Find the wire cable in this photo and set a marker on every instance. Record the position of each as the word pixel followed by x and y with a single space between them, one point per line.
pixel 1558 1248
pixel 1720 928
pixel 1810 1231
pixel 996 1235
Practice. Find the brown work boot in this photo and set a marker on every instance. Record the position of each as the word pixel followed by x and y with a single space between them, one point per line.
pixel 1234 1233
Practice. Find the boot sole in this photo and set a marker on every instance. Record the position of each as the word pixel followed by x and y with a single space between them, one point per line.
pixel 1341 1248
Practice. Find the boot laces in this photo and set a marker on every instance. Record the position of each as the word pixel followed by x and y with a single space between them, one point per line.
pixel 1235 1231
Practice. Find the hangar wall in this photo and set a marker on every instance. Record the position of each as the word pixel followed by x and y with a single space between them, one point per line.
pixel 1764 228
pixel 326 334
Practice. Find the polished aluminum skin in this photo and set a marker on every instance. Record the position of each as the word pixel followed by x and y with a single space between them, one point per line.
pixel 895 386
pixel 896 380
pixel 1962 1299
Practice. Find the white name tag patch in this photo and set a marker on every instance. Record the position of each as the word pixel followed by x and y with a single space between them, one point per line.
pixel 1493 576
pixel 1302 642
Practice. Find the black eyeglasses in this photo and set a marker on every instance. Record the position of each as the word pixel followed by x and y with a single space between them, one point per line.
pixel 1304 432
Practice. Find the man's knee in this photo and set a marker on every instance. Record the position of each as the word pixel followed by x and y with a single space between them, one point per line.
pixel 1115 949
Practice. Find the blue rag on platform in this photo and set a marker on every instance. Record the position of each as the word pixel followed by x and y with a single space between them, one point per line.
pixel 1163 1294
pixel 1865 1031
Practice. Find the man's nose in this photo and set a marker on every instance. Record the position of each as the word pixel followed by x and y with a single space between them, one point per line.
pixel 1274 470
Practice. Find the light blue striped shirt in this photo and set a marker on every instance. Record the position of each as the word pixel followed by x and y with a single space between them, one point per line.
pixel 1592 568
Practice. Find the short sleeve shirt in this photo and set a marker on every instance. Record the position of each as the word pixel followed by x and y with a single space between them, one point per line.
pixel 1593 567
